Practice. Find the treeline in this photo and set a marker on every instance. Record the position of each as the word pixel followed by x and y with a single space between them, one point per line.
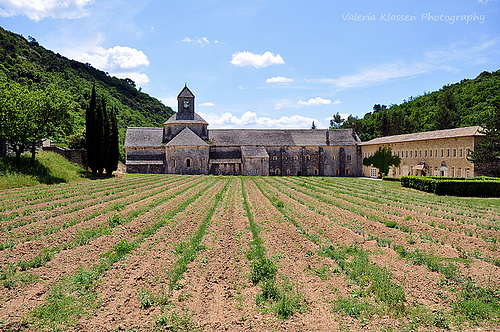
pixel 25 62
pixel 463 104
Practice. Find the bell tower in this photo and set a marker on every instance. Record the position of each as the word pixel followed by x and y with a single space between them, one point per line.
pixel 185 104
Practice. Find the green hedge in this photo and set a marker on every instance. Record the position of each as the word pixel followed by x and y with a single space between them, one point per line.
pixel 472 187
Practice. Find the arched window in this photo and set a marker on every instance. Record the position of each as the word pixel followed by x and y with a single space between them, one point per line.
pixel 334 157
pixel 188 162
pixel 288 172
pixel 296 157
pixel 275 157
pixel 173 162
pixel 308 157
pixel 277 171
pixel 315 171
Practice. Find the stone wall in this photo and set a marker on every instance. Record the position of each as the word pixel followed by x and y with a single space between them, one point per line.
pixel 187 159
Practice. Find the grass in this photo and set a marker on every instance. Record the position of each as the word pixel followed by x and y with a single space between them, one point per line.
pixel 49 168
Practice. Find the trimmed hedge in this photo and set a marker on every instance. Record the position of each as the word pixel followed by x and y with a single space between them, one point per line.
pixel 472 187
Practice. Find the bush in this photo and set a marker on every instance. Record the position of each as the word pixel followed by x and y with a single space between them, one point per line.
pixel 472 187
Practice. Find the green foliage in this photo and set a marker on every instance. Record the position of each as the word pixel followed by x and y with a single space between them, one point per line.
pixel 463 104
pixel 48 168
pixel 262 269
pixel 178 322
pixel 471 187
pixel 34 67
pixel 382 159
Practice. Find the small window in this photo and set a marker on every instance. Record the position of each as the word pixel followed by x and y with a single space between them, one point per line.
pixel 459 172
pixel 335 157
pixel 468 173
pixel 442 153
pixel 348 157
pixel 173 162
pixel 275 157
pixel 337 172
pixel 308 157
pixel 420 154
pixel 277 171
pixel 295 157
pixel 406 153
pixel 411 154
pixel 454 153
pixel 448 153
pixel 425 153
pixel 188 162
pixel 315 171
pixel 430 153
pixel 461 153
pixel 288 172
pixel 347 171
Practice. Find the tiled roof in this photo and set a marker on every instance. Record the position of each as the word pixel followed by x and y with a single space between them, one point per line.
pixel 250 151
pixel 281 137
pixel 143 137
pixel 197 119
pixel 428 135
pixel 187 138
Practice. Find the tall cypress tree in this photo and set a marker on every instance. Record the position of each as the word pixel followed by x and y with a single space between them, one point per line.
pixel 113 150
pixel 90 133
pixel 99 136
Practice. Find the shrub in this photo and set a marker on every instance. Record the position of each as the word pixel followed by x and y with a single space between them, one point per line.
pixel 472 187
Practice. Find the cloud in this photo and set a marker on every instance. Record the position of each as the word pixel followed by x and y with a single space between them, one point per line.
pixel 39 9
pixel 207 104
pixel 201 41
pixel 342 115
pixel 317 101
pixel 279 79
pixel 257 60
pixel 441 59
pixel 251 120
pixel 119 61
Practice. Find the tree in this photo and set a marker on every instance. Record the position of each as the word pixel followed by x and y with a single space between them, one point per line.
pixel 313 126
pixel 27 116
pixel 488 149
pixel 92 129
pixel 113 148
pixel 382 159
pixel 336 122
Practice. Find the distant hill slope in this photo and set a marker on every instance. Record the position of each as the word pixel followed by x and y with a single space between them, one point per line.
pixel 25 61
pixel 456 105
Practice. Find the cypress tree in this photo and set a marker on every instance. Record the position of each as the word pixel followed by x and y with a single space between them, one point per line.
pixel 99 136
pixel 90 133
pixel 113 150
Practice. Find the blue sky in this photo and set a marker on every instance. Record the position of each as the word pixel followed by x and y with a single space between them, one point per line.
pixel 271 64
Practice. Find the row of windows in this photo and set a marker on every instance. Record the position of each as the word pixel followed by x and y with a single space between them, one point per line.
pixel 441 153
pixel 308 157
pixel 455 172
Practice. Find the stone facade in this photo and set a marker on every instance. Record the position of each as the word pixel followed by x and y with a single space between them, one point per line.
pixel 185 146
pixel 433 153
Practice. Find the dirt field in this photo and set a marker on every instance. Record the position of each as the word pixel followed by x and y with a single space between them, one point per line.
pixel 204 253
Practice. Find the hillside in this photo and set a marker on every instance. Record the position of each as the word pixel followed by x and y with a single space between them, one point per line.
pixel 25 61
pixel 456 105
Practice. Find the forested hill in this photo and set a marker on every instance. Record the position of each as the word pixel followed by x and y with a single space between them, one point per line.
pixel 457 105
pixel 26 62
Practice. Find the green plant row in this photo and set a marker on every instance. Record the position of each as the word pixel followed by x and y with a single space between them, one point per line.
pixel 75 296
pixel 470 187
pixel 188 255
pixel 285 299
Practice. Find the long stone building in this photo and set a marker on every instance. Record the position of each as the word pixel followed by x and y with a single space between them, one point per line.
pixel 431 153
pixel 185 145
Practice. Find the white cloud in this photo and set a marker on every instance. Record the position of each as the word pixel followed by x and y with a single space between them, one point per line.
pixel 441 59
pixel 342 115
pixel 39 9
pixel 201 41
pixel 251 120
pixel 317 101
pixel 119 61
pixel 207 104
pixel 257 60
pixel 279 79
pixel 170 101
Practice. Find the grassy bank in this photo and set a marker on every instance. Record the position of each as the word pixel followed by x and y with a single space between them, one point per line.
pixel 49 168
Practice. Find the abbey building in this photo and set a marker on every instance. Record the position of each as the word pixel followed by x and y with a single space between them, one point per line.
pixel 185 145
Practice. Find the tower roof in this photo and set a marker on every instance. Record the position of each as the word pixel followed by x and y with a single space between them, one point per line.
pixel 185 93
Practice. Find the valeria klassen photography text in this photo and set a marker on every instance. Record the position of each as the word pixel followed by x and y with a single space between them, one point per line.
pixel 423 17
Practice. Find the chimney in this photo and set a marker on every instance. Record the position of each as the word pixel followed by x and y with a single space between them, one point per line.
pixel 327 137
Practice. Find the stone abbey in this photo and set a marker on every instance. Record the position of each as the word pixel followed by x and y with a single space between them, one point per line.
pixel 185 145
